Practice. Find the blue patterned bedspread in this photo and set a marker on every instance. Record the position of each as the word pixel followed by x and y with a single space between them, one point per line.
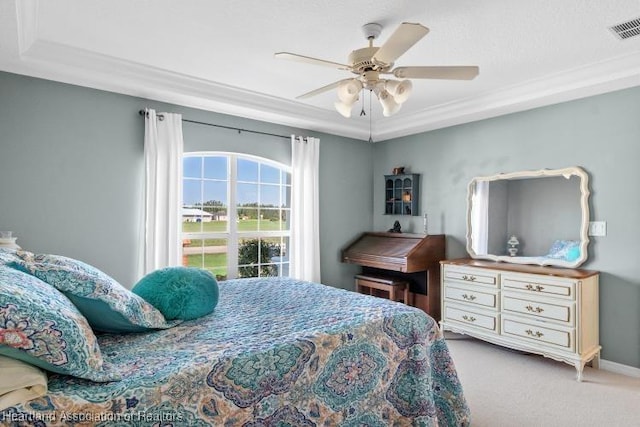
pixel 275 352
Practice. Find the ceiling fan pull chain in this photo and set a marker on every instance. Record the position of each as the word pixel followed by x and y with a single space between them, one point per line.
pixel 370 138
pixel 363 113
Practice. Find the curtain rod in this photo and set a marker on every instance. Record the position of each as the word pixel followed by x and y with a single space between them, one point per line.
pixel 161 117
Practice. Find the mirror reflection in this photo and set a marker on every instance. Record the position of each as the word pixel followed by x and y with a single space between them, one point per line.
pixel 533 217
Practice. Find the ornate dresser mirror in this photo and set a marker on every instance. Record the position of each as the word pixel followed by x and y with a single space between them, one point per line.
pixel 532 217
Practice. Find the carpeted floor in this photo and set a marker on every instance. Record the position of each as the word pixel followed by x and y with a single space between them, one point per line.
pixel 514 389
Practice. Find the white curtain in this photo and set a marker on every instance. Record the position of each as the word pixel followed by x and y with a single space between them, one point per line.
pixel 163 147
pixel 480 218
pixel 305 222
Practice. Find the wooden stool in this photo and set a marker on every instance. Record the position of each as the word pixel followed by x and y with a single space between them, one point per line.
pixel 394 287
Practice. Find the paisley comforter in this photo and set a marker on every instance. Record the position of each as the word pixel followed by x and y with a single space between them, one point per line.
pixel 275 352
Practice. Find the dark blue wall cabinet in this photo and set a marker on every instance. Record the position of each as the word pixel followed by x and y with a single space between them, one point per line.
pixel 402 194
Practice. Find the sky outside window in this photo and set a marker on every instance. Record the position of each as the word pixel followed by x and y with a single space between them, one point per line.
pixel 210 175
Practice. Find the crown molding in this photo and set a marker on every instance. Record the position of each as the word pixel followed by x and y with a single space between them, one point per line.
pixel 80 67
pixel 68 64
pixel 593 79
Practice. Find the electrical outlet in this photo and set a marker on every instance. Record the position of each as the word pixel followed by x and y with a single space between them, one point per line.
pixel 598 228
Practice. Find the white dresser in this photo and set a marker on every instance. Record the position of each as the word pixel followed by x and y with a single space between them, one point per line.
pixel 544 310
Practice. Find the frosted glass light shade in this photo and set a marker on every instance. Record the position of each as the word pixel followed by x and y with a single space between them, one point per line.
pixel 389 105
pixel 400 90
pixel 349 91
pixel 343 108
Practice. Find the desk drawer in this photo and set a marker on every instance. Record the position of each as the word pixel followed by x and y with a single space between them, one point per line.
pixel 487 322
pixel 549 335
pixel 471 296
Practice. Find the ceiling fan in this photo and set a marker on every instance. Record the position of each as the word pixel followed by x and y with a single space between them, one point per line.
pixel 372 63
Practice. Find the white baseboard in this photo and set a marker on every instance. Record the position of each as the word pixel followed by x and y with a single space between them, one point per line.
pixel 619 368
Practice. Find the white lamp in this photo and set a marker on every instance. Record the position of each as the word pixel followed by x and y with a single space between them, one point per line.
pixel 400 90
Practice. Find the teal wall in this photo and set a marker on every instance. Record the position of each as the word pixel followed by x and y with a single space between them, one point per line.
pixel 71 170
pixel 71 173
pixel 600 134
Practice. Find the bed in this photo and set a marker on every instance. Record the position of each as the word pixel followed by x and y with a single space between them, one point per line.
pixel 275 351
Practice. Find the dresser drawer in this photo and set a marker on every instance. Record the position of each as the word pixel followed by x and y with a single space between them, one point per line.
pixel 557 337
pixel 471 295
pixel 543 310
pixel 538 286
pixel 486 321
pixel 472 276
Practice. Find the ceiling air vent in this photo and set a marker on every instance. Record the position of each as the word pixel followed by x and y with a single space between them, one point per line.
pixel 627 29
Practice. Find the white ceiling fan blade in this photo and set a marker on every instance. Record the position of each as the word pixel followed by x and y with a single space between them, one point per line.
pixel 451 73
pixel 309 60
pixel 405 36
pixel 322 89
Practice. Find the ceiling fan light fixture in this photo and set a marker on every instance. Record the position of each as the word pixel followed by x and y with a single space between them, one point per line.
pixel 400 90
pixel 389 105
pixel 348 91
pixel 371 62
pixel 344 108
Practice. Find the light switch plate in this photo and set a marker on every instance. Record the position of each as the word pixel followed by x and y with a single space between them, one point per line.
pixel 597 228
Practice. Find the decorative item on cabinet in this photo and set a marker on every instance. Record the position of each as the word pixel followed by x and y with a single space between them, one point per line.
pixel 513 245
pixel 396 228
pixel 402 194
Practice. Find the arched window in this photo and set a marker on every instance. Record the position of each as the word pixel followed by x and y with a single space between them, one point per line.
pixel 235 217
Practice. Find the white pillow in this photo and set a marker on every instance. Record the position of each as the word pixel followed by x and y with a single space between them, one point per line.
pixel 20 383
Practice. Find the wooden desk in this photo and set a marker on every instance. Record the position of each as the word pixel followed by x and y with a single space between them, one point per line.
pixel 411 258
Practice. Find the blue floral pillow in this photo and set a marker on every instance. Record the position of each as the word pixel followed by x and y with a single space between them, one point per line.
pixel 107 305
pixel 40 326
pixel 567 250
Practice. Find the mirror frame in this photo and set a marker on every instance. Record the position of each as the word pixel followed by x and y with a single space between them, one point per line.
pixel 584 227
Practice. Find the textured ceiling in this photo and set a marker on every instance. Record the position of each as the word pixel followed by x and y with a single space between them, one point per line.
pixel 219 55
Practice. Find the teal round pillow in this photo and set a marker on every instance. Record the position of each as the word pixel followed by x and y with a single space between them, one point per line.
pixel 183 293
